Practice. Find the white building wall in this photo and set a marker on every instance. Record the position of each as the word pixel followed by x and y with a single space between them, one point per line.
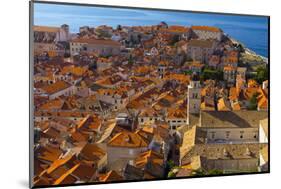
pixel 232 135
pixel 122 155
pixel 174 123
pixel 75 48
pixel 148 120
pixel 249 164
pixel 202 34
pixel 194 97
pixel 262 136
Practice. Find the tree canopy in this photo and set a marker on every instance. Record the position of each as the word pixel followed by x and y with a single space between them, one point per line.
pixel 262 74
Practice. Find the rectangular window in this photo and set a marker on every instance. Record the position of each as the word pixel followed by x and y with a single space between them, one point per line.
pixel 213 134
pixel 227 133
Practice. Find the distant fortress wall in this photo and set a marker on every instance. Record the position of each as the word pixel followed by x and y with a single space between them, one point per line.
pixel 47 34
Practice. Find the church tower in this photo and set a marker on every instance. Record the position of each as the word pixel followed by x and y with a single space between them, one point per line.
pixel 193 96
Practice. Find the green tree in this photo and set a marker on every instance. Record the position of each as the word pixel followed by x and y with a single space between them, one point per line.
pixel 171 174
pixel 215 172
pixel 201 172
pixel 188 72
pixel 170 164
pixel 198 172
pixel 130 60
pixel 262 74
pixel 253 102
pixel 212 74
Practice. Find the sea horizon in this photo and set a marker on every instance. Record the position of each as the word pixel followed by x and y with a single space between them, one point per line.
pixel 252 31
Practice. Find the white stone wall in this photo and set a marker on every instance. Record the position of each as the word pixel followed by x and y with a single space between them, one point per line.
pixel 229 76
pixel 199 54
pixel 122 155
pixel 42 47
pixel 262 136
pixel 75 48
pixel 194 97
pixel 174 123
pixel 249 164
pixel 149 120
pixel 233 135
pixel 104 50
pixel 202 34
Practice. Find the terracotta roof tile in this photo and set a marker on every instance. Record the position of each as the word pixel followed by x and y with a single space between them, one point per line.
pixel 127 139
pixel 206 28
pixel 56 87
pixel 110 176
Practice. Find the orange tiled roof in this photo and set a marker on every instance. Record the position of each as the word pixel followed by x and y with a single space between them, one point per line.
pixel 48 153
pixel 67 178
pixel 78 137
pixel 206 28
pixel 228 68
pixel 76 70
pixel 60 162
pixel 46 29
pixel 222 105
pixel 109 80
pixel 72 113
pixel 233 93
pixel 179 77
pixel 92 152
pixel 176 29
pixel 149 156
pixel 252 83
pixel 110 176
pixel 148 112
pixel 127 139
pixel 56 87
pixel 178 113
pixel 52 104
pixel 90 122
pixel 196 64
pixel 235 106
pixel 143 69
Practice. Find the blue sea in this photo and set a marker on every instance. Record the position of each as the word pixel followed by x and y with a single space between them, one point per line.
pixel 252 31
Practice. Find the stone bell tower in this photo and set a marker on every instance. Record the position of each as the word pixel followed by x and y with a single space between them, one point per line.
pixel 193 96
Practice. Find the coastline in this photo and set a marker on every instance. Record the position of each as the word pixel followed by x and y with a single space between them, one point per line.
pixel 247 50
